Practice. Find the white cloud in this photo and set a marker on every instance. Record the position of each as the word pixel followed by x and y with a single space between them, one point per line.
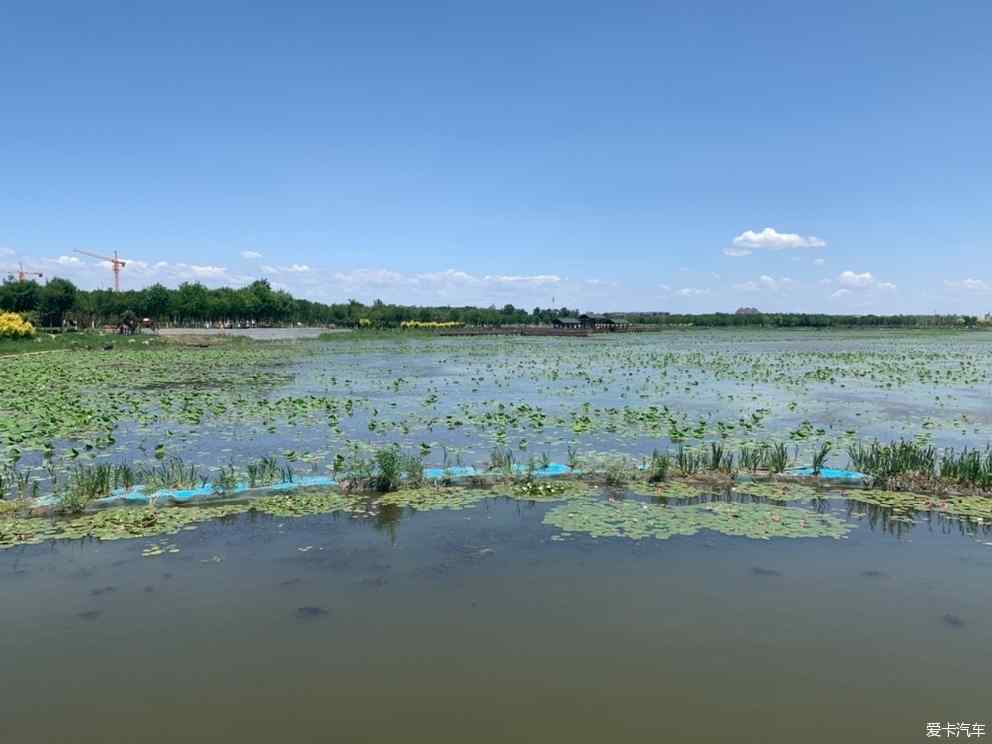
pixel 539 280
pixel 863 282
pixel 251 255
pixel 852 279
pixel 736 252
pixel 7 251
pixel 291 269
pixel 664 288
pixel 373 278
pixel 970 285
pixel 692 292
pixel 206 271
pixel 447 278
pixel 136 273
pixel 819 261
pixel 765 282
pixel 841 293
pixel 772 240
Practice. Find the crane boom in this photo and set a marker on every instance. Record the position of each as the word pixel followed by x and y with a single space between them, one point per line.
pixel 116 264
pixel 22 273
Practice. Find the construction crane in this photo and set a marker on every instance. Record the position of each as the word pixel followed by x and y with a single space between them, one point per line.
pixel 116 264
pixel 22 274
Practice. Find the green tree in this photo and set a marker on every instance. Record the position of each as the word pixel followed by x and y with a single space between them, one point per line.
pixel 57 298
pixel 157 302
pixel 20 296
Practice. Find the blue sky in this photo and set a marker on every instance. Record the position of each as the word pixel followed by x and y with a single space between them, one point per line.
pixel 689 157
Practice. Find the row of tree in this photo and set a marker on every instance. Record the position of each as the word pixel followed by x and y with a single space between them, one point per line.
pixel 193 304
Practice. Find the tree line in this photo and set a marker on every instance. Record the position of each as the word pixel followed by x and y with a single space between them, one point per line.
pixel 192 304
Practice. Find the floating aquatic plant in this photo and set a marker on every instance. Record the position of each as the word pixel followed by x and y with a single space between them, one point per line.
pixel 638 520
pixel 430 498
pixel 976 508
pixel 777 491
pixel 544 489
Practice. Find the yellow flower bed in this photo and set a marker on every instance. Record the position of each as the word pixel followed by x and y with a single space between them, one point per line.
pixel 430 324
pixel 13 325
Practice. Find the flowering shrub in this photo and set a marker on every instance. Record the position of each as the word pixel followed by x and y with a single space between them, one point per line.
pixel 13 325
pixel 430 324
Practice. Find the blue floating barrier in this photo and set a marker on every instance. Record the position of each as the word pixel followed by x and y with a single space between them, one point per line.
pixel 829 474
pixel 548 471
pixel 455 471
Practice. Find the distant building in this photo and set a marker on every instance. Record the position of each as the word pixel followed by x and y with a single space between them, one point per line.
pixel 567 323
pixel 748 311
pixel 603 323
pixel 600 322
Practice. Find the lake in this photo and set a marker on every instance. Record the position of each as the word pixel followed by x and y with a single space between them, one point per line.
pixel 611 612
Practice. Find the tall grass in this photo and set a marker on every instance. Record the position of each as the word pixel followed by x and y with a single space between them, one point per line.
pixel 17 484
pixel 972 467
pixel 750 459
pixel 386 470
pixel 227 479
pixel 172 474
pixel 820 457
pixel 87 483
pixel 776 458
pixel 266 471
pixel 501 460
pixel 617 472
pixel 720 459
pixel 688 461
pixel 658 467
pixel 894 459
pixel 573 458
pixel 908 459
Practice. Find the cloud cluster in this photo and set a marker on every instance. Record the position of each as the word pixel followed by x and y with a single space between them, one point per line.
pixel 852 279
pixel 95 274
pixel 865 280
pixel 852 282
pixel 969 285
pixel 770 239
pixel 291 269
pixel 766 283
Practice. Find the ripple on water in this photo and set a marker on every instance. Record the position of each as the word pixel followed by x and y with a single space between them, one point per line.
pixel 310 612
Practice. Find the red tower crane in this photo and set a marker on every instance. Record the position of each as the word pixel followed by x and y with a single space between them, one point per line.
pixel 116 264
pixel 22 274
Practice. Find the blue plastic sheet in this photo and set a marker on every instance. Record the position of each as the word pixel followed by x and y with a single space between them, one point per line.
pixel 548 471
pixel 457 471
pixel 139 496
pixel 830 474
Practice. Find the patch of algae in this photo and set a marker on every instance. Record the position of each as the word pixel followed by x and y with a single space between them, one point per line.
pixel 975 508
pixel 638 520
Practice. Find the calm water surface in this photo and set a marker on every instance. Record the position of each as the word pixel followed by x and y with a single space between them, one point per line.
pixel 474 626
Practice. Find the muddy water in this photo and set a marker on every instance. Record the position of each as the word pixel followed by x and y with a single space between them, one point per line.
pixel 475 626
